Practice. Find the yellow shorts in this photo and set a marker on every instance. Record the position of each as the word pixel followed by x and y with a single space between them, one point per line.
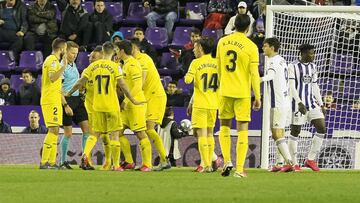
pixel 105 122
pixel 134 118
pixel 240 107
pixel 155 110
pixel 53 114
pixel 203 118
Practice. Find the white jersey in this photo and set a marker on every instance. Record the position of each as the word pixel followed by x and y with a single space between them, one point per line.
pixel 278 84
pixel 304 75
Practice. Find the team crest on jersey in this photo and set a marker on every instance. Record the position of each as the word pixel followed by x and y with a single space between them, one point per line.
pixel 55 119
pixel 306 79
pixel 53 64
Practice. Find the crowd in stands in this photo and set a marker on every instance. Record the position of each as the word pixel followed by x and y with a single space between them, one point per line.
pixel 34 126
pixel 32 25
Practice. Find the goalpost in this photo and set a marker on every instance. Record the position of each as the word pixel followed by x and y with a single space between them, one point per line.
pixel 335 32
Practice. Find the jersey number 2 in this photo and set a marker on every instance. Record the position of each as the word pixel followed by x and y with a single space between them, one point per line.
pixel 213 83
pixel 232 66
pixel 99 79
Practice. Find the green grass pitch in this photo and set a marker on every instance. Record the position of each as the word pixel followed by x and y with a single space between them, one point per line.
pixel 26 183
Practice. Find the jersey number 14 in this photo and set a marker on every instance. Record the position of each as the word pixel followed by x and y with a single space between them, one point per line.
pixel 212 84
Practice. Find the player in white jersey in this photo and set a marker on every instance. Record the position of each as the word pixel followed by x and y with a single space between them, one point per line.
pixel 307 104
pixel 277 84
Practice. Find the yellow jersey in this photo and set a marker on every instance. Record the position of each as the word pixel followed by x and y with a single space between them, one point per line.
pixel 50 91
pixel 103 74
pixel 89 86
pixel 133 78
pixel 152 85
pixel 238 61
pixel 204 72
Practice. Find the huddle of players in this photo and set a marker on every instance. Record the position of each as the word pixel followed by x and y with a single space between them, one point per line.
pixel 104 80
pixel 223 83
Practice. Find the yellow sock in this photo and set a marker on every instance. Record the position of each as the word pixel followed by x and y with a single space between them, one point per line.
pixel 225 142
pixel 53 152
pixel 106 145
pixel 158 144
pixel 47 146
pixel 204 150
pixel 115 149
pixel 145 147
pixel 126 149
pixel 211 144
pixel 241 150
pixel 90 143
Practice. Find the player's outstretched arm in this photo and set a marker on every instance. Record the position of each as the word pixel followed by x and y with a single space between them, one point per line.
pixel 80 83
pixel 125 89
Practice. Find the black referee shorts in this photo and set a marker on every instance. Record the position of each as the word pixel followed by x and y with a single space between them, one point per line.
pixel 79 111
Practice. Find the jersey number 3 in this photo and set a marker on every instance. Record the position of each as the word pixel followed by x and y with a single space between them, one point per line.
pixel 212 84
pixel 99 79
pixel 231 67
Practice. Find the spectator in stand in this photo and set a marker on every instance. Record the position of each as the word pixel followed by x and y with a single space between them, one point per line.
pixel 42 26
pixel 102 23
pixel 4 127
pixel 242 9
pixel 170 132
pixel 175 97
pixel 187 54
pixel 146 47
pixel 75 24
pixel 34 125
pixel 117 37
pixel 356 105
pixel 7 94
pixel 13 24
pixel 259 14
pixel 162 9
pixel 329 101
pixel 29 92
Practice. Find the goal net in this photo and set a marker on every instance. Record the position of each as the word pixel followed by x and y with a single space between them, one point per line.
pixel 335 33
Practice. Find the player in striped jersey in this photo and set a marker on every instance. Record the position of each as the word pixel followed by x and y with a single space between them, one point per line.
pixel 307 104
pixel 277 83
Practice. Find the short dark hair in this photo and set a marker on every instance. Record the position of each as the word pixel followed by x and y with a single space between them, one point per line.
pixel 169 111
pixel 138 29
pixel 196 31
pixel 124 45
pixel 273 42
pixel 207 44
pixel 108 48
pixel 173 82
pixel 242 22
pixel 27 71
pixel 98 48
pixel 305 47
pixel 98 1
pixel 58 43
pixel 329 92
pixel 135 41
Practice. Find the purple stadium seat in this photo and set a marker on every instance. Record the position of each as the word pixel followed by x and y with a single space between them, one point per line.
pixel 128 32
pixel 7 61
pixel 82 61
pixel 31 60
pixel 167 79
pixel 136 13
pixel 215 34
pixel 185 87
pixel 168 64
pixel 116 10
pixel 15 82
pixel 196 7
pixel 181 37
pixel 342 61
pixel 89 6
pixel 157 36
pixel 58 13
pixel 2 76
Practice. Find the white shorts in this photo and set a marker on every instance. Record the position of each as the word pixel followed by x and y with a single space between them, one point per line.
pixel 278 117
pixel 300 119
